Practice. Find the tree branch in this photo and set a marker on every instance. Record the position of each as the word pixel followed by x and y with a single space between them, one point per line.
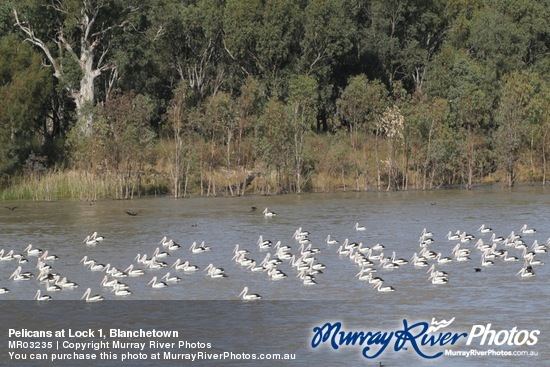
pixel 38 42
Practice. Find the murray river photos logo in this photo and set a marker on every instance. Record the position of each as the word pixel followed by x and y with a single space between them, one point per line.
pixel 426 339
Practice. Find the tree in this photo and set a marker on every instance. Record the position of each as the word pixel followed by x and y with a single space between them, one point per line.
pixel 79 42
pixel 24 90
pixel 303 111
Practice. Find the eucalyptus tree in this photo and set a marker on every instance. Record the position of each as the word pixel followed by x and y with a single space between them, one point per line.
pixel 75 37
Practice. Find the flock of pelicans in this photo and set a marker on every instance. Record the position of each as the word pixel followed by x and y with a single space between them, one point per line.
pixel 301 257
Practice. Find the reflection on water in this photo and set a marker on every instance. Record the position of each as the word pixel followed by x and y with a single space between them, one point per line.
pixel 495 294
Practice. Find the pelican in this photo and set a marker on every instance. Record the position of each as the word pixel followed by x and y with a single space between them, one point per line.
pixel 249 297
pixel 133 272
pixel 330 241
pixel 17 275
pixel 95 298
pixel 4 290
pixel 170 244
pixel 87 262
pixel 426 233
pixel 485 262
pixel 8 256
pixel 276 274
pixel 438 279
pixel 89 241
pixel 156 284
pixel 484 229
pixel 237 251
pixel 46 257
pixel 378 247
pixel 505 257
pixel 264 244
pixel 168 279
pixel 97 238
pixel 118 291
pixel 526 272
pixel 66 284
pixel 267 213
pixel 157 254
pixel 52 287
pixel 380 288
pixel 299 234
pixel 200 249
pixel 32 251
pixel 453 237
pixel 39 297
pixel 526 230
pixel 358 228
pixel 437 273
pixel 178 265
pixel 214 272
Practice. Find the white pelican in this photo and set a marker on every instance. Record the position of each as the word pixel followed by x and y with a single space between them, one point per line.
pixel 156 284
pixel 17 275
pixel 486 262
pixel 66 284
pixel 94 236
pixel 276 274
pixel 198 250
pixel 157 254
pixel 118 291
pixel 97 266
pixel 39 297
pixel 86 261
pixel 267 213
pixel 52 287
pixel 8 256
pixel 178 265
pixel 89 241
pixel 32 251
pixel 249 297
pixel 399 261
pixel 484 229
pixel 170 244
pixel 264 244
pixel 505 257
pixel 526 272
pixel 214 272
pixel 378 247
pixel 436 273
pixel 438 279
pixel 358 228
pixel 4 290
pixel 168 279
pixel 237 251
pixel 133 272
pixel 95 298
pixel 330 241
pixel 299 234
pixel 443 260
pixel 526 230
pixel 380 288
pixel 453 237
pixel 46 257
pixel 426 233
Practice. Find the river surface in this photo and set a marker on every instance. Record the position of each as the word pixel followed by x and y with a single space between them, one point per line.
pixel 495 295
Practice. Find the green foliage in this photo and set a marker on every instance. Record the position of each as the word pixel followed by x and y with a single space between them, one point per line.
pixel 405 93
pixel 24 90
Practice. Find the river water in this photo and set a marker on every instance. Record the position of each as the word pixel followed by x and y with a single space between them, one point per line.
pixel 495 295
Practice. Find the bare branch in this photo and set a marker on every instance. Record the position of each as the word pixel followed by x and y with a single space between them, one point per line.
pixel 37 42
